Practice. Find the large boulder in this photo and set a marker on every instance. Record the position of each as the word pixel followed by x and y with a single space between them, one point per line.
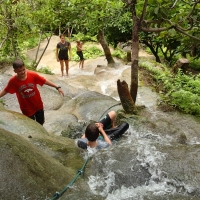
pixel 27 172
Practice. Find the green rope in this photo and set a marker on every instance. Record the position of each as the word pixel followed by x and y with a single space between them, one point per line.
pixel 57 195
pixel 108 109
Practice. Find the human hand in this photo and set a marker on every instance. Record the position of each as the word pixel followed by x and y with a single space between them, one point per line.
pixel 61 91
pixel 99 126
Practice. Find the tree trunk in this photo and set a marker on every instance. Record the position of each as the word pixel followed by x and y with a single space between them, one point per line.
pixel 134 80
pixel 37 62
pixel 135 55
pixel 125 97
pixel 14 41
pixel 38 48
pixel 101 39
pixel 154 51
pixel 128 56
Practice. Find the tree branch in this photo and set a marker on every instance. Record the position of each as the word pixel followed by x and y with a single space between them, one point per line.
pixel 189 15
pixel 155 30
pixel 4 40
pixel 144 11
pixel 183 32
pixel 174 4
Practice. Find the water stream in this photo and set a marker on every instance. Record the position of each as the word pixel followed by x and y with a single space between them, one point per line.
pixel 148 162
pixel 133 169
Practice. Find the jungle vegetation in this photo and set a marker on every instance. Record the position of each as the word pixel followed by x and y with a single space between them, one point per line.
pixel 168 29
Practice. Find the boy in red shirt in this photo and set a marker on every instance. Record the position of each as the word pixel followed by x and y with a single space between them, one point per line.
pixel 24 84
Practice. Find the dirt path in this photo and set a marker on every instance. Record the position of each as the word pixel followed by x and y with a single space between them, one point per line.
pixel 49 58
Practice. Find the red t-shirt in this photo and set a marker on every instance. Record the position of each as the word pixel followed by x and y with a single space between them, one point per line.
pixel 27 92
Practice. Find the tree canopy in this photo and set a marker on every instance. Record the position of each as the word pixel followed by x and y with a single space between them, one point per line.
pixel 165 27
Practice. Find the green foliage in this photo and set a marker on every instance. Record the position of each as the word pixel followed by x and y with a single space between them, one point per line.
pixel 118 53
pixel 2 102
pixel 194 64
pixel 186 101
pixel 32 41
pixel 82 37
pixel 45 70
pixel 178 90
pixel 89 51
pixel 28 18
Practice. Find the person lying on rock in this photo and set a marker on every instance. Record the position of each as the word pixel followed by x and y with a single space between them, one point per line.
pixel 100 135
pixel 24 84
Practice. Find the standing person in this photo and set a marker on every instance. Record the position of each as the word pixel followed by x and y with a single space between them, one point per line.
pixel 80 53
pixel 62 49
pixel 24 84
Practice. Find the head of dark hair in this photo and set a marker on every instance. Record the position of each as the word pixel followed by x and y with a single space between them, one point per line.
pixel 18 64
pixel 62 35
pixel 92 132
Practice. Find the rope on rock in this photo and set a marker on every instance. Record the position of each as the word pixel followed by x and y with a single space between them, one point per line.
pixel 108 109
pixel 57 195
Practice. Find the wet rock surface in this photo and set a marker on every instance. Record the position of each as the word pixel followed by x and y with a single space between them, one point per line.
pixel 158 157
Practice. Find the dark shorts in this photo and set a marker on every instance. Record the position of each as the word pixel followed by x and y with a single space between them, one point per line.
pixel 80 54
pixel 63 57
pixel 38 116
pixel 106 121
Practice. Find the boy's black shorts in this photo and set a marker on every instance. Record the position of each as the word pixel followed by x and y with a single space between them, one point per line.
pixel 80 54
pixel 38 116
pixel 106 121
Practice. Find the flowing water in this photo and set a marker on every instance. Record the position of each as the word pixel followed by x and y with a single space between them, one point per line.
pixel 133 169
pixel 149 161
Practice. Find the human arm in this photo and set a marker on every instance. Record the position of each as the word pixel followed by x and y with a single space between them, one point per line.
pixel 70 52
pixel 106 138
pixel 79 47
pixel 2 93
pixel 57 54
pixel 49 83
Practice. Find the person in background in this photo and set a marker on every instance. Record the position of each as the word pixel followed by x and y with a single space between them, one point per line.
pixel 62 49
pixel 93 132
pixel 80 53
pixel 24 85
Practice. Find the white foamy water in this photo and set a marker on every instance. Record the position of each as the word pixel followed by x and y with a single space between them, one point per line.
pixel 98 182
pixel 109 85
pixel 149 157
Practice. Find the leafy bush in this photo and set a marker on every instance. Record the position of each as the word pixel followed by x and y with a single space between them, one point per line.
pixel 45 70
pixel 178 90
pixel 84 38
pixel 32 41
pixel 186 101
pixel 195 64
pixel 88 52
pixel 118 53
